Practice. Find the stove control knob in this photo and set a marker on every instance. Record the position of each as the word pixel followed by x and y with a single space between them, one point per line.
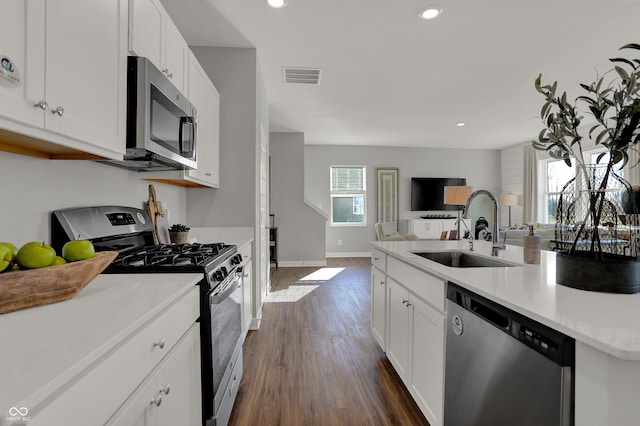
pixel 218 275
pixel 224 271
pixel 236 260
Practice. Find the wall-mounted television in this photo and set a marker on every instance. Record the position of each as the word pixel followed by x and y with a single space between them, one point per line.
pixel 428 193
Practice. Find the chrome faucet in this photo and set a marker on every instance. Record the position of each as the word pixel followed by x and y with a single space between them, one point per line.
pixel 495 236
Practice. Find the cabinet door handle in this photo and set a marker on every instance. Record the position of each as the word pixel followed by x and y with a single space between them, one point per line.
pixel 159 344
pixel 58 110
pixel 381 282
pixel 404 302
pixel 157 401
pixel 376 258
pixel 166 389
pixel 42 104
pixel 167 73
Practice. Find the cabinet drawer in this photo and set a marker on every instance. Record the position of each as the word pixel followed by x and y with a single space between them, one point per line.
pixel 95 394
pixel 379 259
pixel 425 286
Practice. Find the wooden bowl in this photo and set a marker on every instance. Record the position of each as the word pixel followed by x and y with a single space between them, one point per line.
pixel 35 287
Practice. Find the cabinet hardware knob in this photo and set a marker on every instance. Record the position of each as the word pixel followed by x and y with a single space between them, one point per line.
pixel 404 302
pixel 166 389
pixel 157 401
pixel 165 71
pixel 376 258
pixel 207 174
pixel 381 282
pixel 408 304
pixel 59 110
pixel 42 104
pixel 159 344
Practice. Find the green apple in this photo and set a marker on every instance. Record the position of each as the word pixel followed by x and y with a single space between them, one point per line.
pixel 35 255
pixel 59 261
pixel 14 249
pixel 6 254
pixel 78 250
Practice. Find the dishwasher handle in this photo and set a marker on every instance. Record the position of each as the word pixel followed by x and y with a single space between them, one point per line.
pixel 488 314
pixel 485 311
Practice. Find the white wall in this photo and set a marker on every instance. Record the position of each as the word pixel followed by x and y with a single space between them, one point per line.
pixel 481 168
pixel 233 72
pixel 301 230
pixel 33 187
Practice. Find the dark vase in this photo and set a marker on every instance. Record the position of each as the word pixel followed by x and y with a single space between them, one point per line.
pixel 613 273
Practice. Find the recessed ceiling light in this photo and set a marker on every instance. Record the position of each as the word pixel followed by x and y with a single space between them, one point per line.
pixel 461 124
pixel 430 12
pixel 277 4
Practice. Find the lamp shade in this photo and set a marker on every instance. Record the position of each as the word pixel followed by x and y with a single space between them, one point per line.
pixel 457 195
pixel 509 200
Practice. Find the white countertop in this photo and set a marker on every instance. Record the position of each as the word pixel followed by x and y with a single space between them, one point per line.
pixel 43 347
pixel 608 322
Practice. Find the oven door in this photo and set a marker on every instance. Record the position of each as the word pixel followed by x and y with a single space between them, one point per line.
pixel 221 342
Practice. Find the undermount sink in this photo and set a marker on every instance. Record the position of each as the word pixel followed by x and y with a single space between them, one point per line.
pixel 458 259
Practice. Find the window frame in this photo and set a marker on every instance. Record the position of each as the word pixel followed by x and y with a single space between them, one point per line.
pixel 543 194
pixel 348 194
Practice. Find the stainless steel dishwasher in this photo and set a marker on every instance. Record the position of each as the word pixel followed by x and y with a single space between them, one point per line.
pixel 502 368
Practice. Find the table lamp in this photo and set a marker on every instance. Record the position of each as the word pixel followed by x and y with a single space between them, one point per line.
pixel 457 196
pixel 509 200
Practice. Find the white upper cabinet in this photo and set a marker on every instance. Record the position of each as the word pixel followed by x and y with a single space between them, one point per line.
pixel 201 88
pixel 64 70
pixel 153 34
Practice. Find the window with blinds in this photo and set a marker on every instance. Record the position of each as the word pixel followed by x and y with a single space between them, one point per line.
pixel 348 195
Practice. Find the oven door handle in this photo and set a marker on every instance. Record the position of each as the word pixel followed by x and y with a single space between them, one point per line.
pixel 215 299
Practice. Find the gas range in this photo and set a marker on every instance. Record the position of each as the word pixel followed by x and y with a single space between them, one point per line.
pixel 215 260
pixel 129 231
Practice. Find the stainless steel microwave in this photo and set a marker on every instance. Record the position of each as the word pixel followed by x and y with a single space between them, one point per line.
pixel 161 122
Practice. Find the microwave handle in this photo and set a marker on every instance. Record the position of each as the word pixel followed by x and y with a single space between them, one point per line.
pixel 189 150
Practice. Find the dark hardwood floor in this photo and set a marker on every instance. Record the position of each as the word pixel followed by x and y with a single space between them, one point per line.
pixel 314 361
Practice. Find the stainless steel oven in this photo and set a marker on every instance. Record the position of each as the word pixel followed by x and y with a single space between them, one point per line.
pixel 222 348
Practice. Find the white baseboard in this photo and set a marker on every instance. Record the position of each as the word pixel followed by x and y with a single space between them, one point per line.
pixel 299 263
pixel 349 254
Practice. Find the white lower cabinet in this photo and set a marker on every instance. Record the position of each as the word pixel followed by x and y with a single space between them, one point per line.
pixel 247 294
pixel 379 307
pixel 119 387
pixel 170 395
pixel 399 331
pixel 427 359
pixel 416 339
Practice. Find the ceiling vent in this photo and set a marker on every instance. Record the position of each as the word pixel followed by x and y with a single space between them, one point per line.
pixel 301 75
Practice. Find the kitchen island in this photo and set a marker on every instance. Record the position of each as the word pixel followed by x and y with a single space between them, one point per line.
pixel 103 354
pixel 606 327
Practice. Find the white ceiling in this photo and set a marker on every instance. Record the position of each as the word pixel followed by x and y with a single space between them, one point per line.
pixel 391 79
